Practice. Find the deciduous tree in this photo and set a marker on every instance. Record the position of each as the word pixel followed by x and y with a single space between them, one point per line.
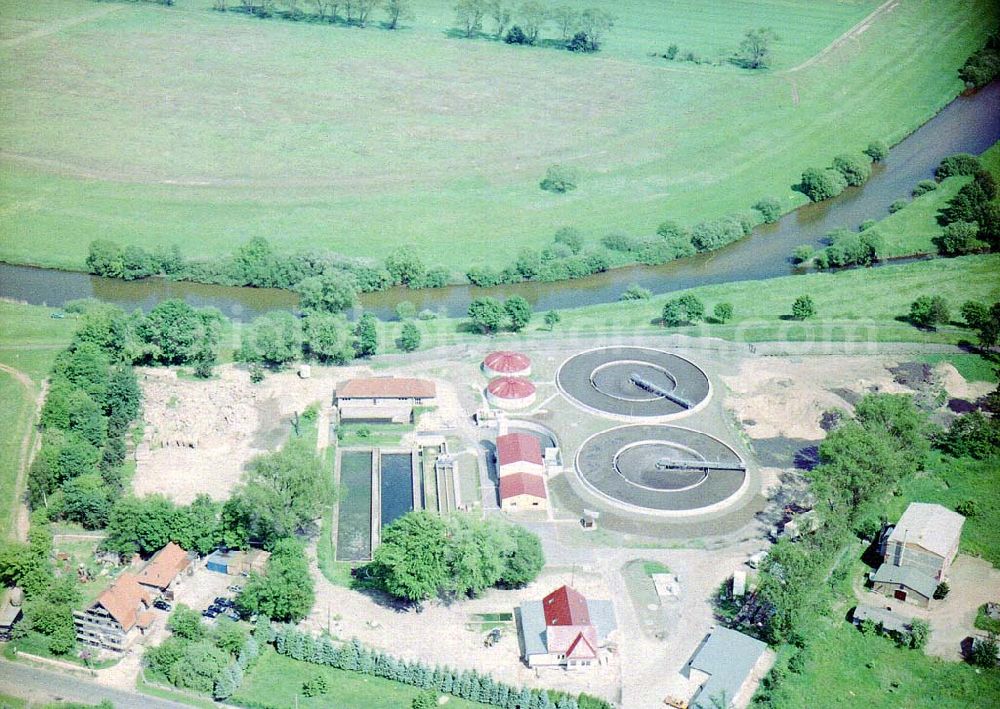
pixel 518 311
pixel 755 49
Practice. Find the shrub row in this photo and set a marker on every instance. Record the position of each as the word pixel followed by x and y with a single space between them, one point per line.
pixel 467 684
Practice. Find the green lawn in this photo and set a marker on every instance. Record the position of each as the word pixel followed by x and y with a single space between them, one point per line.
pixel 158 125
pixel 949 481
pixel 19 411
pixel 858 305
pixel 276 680
pixel 972 367
pixel 850 669
pixel 30 338
pixel 29 341
pixel 911 230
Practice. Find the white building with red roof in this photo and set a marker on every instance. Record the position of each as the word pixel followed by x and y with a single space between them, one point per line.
pixel 564 629
pixel 523 491
pixel 519 453
pixel 510 393
pixel 383 399
pixel 506 363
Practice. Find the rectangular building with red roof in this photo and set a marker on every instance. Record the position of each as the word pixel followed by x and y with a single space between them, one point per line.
pixel 383 399
pixel 523 491
pixel 164 569
pixel 519 453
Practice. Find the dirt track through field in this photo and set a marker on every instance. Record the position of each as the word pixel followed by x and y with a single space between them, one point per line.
pixel 850 34
pixel 29 447
pixel 56 27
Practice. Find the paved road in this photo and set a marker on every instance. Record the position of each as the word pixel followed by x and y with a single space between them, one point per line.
pixel 45 685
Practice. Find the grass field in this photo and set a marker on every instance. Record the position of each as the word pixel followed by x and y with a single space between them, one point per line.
pixel 858 305
pixel 29 342
pixel 949 481
pixel 204 129
pixel 911 230
pixel 850 669
pixel 276 680
pixel 19 411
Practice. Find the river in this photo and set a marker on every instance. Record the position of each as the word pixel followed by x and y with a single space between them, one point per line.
pixel 969 124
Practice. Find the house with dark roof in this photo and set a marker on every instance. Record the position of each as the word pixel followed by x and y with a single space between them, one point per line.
pixel 881 617
pixel 164 570
pixel 117 617
pixel 383 399
pixel 565 629
pixel 726 669
pixel 917 552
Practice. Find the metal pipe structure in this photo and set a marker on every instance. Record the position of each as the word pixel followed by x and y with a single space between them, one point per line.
pixel 659 391
pixel 671 464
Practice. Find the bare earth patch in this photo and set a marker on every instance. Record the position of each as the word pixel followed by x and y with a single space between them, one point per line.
pixel 956 385
pixel 200 434
pixel 786 396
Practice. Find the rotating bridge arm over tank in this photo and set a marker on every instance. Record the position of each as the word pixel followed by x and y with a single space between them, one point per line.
pixel 658 391
pixel 671 464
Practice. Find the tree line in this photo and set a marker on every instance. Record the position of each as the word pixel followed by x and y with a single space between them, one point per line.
pixel 526 23
pixel 970 219
pixel 471 685
pixel 754 51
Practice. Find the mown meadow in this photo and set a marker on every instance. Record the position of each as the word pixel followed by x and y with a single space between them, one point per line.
pixel 205 128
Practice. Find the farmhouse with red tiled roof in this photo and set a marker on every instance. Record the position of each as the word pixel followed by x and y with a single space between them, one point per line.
pixel 117 617
pixel 565 629
pixel 164 569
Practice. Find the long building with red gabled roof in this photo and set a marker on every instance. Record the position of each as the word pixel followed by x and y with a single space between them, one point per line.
pixel 565 629
pixel 523 491
pixel 519 453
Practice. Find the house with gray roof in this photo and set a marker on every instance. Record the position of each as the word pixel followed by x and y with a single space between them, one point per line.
pixel 880 616
pixel 904 583
pixel 917 552
pixel 726 668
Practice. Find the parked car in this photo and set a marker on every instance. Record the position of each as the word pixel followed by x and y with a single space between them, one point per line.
pixel 161 604
pixel 235 588
pixel 757 559
pixel 232 615
pixel 209 613
pixel 224 602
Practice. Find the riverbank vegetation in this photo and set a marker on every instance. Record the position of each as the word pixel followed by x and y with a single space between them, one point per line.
pixel 957 214
pixel 315 179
